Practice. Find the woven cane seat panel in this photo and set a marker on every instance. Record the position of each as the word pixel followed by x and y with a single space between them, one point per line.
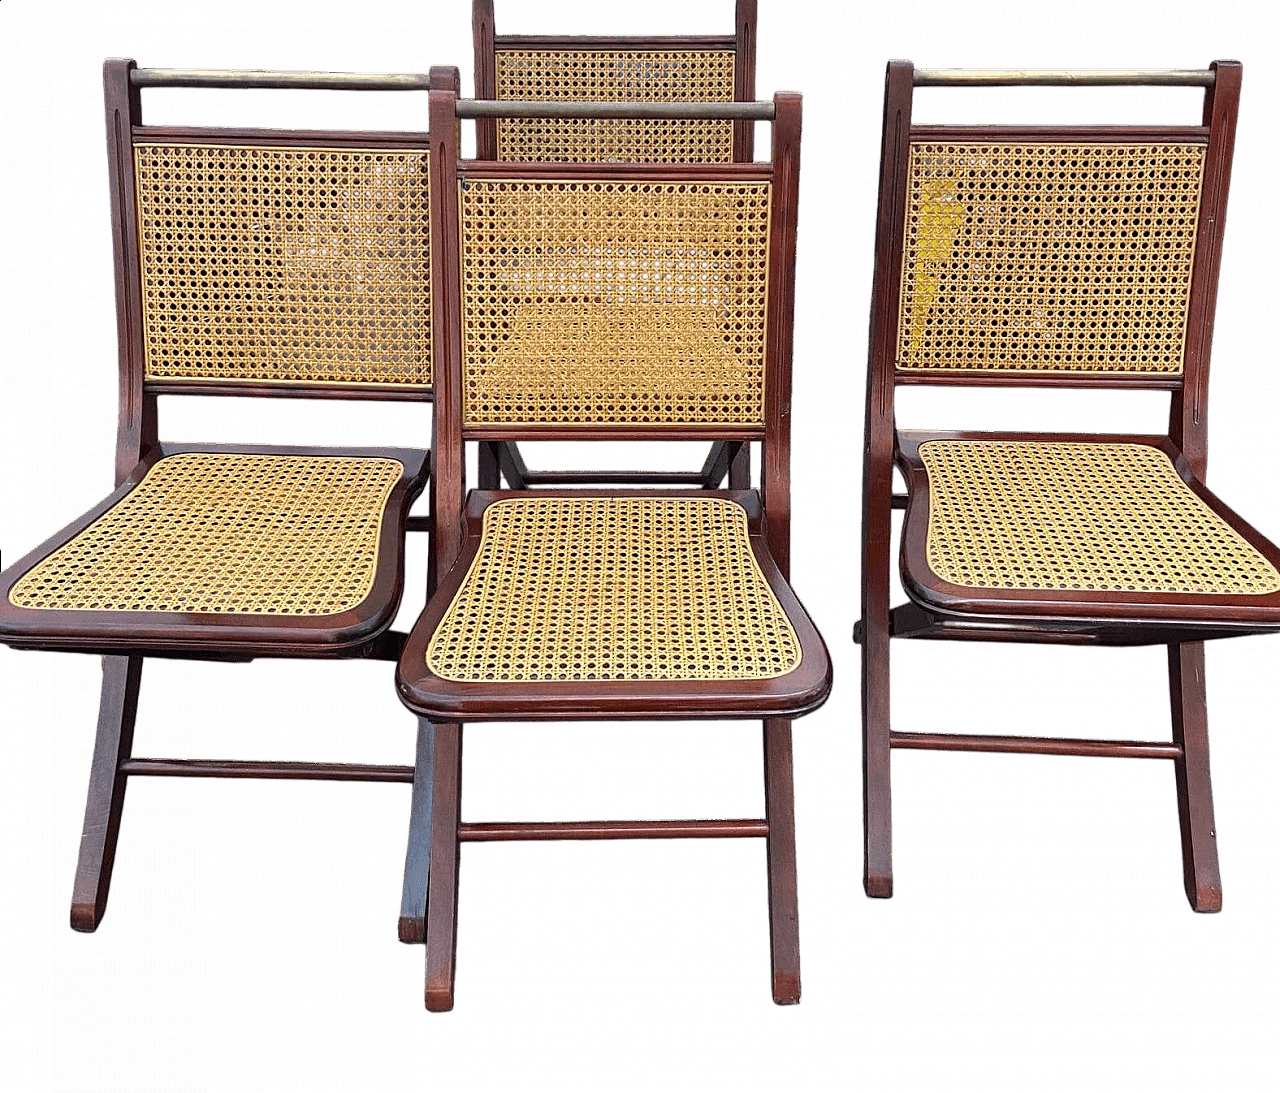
pixel 1048 257
pixel 293 265
pixel 614 303
pixel 227 534
pixel 1096 517
pixel 567 589
pixel 640 75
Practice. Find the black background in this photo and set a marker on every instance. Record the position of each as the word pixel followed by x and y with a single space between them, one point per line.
pixel 277 902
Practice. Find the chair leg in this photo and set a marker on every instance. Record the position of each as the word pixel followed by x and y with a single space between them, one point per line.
pixel 488 477
pixel 877 805
pixel 1195 790
pixel 442 886
pixel 740 468
pixel 784 915
pixel 417 858
pixel 117 714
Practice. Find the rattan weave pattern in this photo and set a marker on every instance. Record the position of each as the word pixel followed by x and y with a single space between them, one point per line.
pixel 617 588
pixel 633 75
pixel 614 303
pixel 285 264
pixel 227 534
pixel 1104 517
pixel 1048 257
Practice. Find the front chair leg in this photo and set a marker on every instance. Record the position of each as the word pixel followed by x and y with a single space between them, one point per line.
pixel 1195 790
pixel 779 810
pixel 877 809
pixel 121 678
pixel 417 858
pixel 442 887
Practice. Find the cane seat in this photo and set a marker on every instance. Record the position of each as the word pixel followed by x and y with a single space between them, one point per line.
pixel 221 546
pixel 622 595
pixel 1104 527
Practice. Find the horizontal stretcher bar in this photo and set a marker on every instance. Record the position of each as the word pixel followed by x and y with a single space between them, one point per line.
pixel 229 768
pixel 1036 745
pixel 1063 77
pixel 613 829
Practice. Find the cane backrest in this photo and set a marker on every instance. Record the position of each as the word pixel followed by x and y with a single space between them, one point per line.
pixel 582 68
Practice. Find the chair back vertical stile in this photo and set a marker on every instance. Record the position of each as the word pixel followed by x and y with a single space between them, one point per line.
pixel 609 301
pixel 1053 256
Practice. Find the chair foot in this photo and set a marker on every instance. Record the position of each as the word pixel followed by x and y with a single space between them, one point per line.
pixel 417 860
pixel 1201 879
pixel 117 714
pixel 877 807
pixel 442 886
pixel 784 914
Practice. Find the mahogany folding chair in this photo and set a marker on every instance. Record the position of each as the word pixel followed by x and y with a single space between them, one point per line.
pixel 256 263
pixel 594 302
pixel 549 68
pixel 1081 257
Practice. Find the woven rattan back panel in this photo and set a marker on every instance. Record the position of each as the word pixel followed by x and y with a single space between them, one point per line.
pixel 632 75
pixel 285 264
pixel 628 304
pixel 1048 257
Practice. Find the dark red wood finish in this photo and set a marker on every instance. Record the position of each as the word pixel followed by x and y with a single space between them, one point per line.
pixel 486 75
pixel 877 483
pixel 121 680
pixel 941 610
pixel 775 481
pixel 445 857
pixel 447 476
pixel 137 430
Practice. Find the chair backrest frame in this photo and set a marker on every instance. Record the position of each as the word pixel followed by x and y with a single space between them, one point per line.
pixel 122 82
pixel 449 173
pixel 742 44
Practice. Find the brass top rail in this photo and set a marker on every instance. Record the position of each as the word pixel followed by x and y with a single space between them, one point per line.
pixel 330 81
pixel 1063 77
pixel 513 108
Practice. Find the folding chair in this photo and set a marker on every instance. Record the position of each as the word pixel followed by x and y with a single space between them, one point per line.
pixel 257 263
pixel 1055 256
pixel 663 297
pixel 690 68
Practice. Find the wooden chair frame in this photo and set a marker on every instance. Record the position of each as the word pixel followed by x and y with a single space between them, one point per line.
pixel 1098 618
pixel 126 641
pixel 429 912
pixel 501 460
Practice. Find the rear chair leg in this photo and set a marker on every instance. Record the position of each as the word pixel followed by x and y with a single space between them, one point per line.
pixel 1195 790
pixel 488 475
pixel 442 887
pixel 417 859
pixel 779 810
pixel 121 677
pixel 877 811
